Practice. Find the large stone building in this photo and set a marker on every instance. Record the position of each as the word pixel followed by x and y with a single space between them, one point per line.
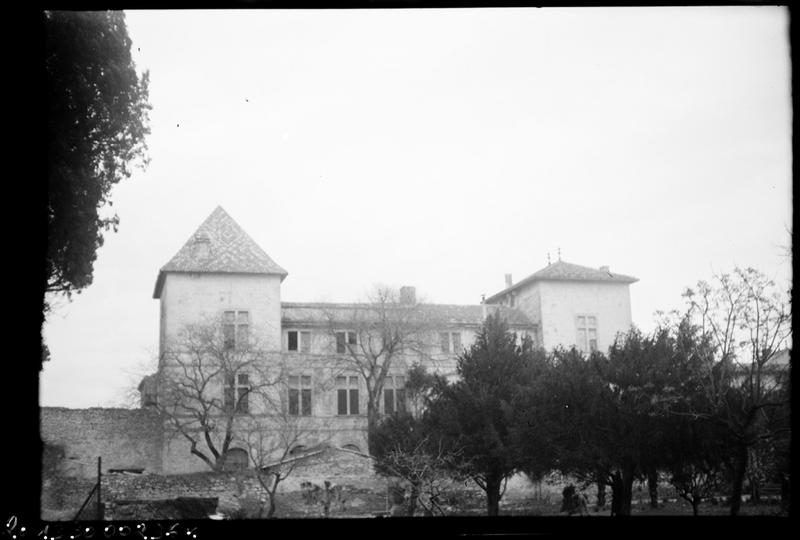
pixel 222 280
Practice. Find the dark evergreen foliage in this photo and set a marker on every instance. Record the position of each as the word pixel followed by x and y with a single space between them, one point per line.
pixel 97 120
pixel 481 414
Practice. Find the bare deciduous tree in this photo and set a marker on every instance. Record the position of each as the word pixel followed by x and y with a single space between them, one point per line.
pixel 748 320
pixel 426 467
pixel 376 336
pixel 205 382
pixel 269 445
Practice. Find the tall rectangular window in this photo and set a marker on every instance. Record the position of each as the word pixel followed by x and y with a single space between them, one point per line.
pixel 444 342
pixel 237 393
pixel 298 341
pixel 300 395
pixel 394 395
pixel 235 329
pixel 343 339
pixel 587 333
pixel 346 395
pixel 456 342
pixel 450 342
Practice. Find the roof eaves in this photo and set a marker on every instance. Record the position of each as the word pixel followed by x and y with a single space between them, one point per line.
pixel 164 271
pixel 159 285
pixel 615 278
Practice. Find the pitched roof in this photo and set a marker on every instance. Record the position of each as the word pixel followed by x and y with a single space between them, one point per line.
pixel 225 248
pixel 433 314
pixel 564 271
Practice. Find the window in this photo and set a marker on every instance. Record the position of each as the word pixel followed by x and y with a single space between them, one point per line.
pixel 444 341
pixel 300 395
pixel 235 329
pixel 237 393
pixel 347 395
pixel 343 339
pixel 587 333
pixel 456 342
pixel 298 341
pixel 394 395
pixel 450 342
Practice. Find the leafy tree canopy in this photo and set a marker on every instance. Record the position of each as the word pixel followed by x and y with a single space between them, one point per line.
pixel 97 120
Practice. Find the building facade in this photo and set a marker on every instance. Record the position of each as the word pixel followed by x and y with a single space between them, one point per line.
pixel 305 374
pixel 223 279
pixel 572 305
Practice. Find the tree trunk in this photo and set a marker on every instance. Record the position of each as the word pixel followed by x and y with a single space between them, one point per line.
pixel 622 492
pixel 739 470
pixel 601 493
pixel 652 487
pixel 493 483
pixel 412 500
pixel 695 506
pixel 627 491
pixel 271 511
pixel 785 492
pixel 372 423
pixel 755 491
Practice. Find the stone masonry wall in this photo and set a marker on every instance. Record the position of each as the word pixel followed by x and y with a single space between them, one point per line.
pixel 123 438
pixel 351 470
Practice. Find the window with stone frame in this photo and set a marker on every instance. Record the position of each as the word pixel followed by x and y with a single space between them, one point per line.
pixel 300 395
pixel 237 393
pixel 235 329
pixel 394 394
pixel 587 333
pixel 346 395
pixel 450 342
pixel 298 341
pixel 343 339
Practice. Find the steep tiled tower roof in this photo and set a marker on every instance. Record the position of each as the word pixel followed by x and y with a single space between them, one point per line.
pixel 564 271
pixel 219 245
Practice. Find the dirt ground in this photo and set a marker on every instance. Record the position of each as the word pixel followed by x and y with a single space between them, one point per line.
pixel 472 503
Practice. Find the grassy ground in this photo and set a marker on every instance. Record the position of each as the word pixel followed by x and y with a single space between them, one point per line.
pixel 470 503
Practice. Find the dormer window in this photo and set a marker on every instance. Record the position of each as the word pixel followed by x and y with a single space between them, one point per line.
pixel 201 247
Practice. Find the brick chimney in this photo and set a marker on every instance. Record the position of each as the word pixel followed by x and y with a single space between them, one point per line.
pixel 408 295
pixel 508 281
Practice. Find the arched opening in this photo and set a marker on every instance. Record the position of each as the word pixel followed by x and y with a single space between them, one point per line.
pixel 235 460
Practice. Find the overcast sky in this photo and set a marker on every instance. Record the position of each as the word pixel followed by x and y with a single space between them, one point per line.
pixel 443 149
